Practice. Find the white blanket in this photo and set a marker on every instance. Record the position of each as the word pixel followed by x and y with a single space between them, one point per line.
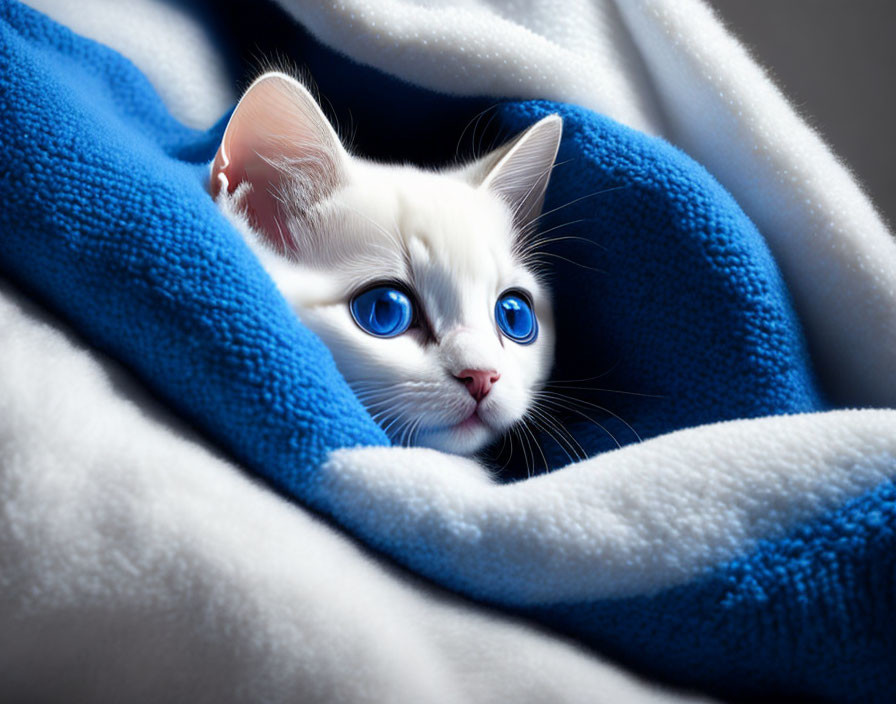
pixel 137 565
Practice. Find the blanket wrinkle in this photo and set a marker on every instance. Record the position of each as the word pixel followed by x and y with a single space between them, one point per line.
pixel 137 564
pixel 709 555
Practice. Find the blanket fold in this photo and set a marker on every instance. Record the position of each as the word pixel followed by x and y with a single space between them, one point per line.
pixel 138 565
pixel 749 557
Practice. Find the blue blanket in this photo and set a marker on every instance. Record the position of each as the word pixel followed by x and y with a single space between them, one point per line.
pixel 673 299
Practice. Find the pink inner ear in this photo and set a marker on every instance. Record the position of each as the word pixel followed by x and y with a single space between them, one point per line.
pixel 276 121
pixel 237 162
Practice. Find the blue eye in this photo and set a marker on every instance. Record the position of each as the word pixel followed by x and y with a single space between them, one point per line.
pixel 516 319
pixel 383 311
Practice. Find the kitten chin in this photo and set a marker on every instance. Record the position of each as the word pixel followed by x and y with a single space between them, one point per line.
pixel 465 438
pixel 417 281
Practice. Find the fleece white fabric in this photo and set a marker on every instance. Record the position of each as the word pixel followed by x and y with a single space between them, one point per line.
pixel 174 49
pixel 626 523
pixel 136 565
pixel 124 541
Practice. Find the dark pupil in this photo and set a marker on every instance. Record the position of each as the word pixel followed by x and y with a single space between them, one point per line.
pixel 516 319
pixel 385 311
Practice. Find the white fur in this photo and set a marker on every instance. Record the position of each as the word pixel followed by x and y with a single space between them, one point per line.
pixel 451 237
pixel 455 244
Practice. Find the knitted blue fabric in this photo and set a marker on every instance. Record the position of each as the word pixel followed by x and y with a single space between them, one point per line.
pixel 810 616
pixel 106 218
pixel 673 295
pixel 666 296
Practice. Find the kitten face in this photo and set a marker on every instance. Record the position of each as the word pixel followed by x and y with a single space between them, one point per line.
pixel 399 271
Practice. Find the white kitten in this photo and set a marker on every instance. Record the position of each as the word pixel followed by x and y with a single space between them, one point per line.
pixel 415 280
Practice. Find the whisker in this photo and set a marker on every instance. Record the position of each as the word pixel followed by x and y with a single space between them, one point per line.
pixel 591 378
pixel 405 433
pixel 600 408
pixel 394 420
pixel 503 444
pixel 525 433
pixel 591 420
pixel 538 447
pixel 376 416
pixel 541 242
pixel 537 257
pixel 415 432
pixel 559 386
pixel 476 118
pixel 530 237
pixel 477 145
pixel 523 448
pixel 568 437
pixel 507 437
pixel 581 198
pixel 547 431
pixel 569 400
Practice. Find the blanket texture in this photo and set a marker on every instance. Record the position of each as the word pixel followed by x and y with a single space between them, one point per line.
pixel 138 565
pixel 752 557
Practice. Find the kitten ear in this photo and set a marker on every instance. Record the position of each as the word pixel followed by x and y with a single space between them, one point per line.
pixel 279 143
pixel 520 170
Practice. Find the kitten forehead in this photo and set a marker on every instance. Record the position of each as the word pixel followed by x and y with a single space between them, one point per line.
pixel 451 221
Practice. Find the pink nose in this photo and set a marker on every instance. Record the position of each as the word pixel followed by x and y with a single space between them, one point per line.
pixel 478 381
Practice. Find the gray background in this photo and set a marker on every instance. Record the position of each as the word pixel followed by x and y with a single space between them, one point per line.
pixel 835 60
